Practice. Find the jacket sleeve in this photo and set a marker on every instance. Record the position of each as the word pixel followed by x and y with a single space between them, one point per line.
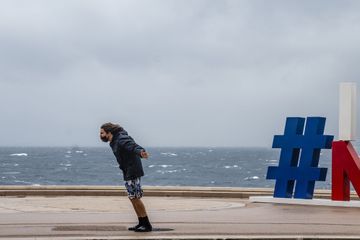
pixel 129 144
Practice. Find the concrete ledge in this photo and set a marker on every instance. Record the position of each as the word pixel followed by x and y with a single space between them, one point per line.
pixel 204 237
pixel 168 191
pixel 312 202
pixel 158 191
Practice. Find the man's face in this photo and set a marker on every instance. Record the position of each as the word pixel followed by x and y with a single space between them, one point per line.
pixel 104 136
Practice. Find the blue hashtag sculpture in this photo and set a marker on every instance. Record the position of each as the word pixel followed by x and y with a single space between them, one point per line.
pixel 304 171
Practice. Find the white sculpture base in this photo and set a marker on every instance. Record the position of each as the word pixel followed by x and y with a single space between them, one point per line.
pixel 312 202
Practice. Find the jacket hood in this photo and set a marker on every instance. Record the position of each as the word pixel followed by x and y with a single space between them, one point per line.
pixel 116 135
pixel 122 131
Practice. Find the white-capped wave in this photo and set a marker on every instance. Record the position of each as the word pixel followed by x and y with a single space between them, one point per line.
pixel 66 164
pixel 19 155
pixel 20 181
pixel 79 151
pixel 165 166
pixel 160 171
pixel 233 166
pixel 169 154
pixel 11 173
pixel 170 171
pixel 251 178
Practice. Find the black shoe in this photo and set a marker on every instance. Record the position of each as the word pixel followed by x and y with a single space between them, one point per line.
pixel 134 227
pixel 143 228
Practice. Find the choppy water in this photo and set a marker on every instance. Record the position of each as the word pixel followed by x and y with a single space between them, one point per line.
pixel 236 167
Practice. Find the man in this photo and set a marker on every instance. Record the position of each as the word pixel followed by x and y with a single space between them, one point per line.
pixel 129 154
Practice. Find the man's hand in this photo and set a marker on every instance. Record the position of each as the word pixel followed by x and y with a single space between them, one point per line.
pixel 144 154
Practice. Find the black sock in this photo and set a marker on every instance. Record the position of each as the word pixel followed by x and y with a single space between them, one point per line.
pixel 146 222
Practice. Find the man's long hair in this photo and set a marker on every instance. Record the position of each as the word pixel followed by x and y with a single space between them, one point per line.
pixel 111 127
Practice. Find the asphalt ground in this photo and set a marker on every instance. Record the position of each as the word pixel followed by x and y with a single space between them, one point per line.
pixel 53 216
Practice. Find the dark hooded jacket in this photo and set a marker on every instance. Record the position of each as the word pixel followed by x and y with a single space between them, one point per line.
pixel 127 154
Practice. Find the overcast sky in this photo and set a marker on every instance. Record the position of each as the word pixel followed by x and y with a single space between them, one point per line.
pixel 172 73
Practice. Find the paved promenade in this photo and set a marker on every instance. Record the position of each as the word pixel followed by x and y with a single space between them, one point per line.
pixel 107 217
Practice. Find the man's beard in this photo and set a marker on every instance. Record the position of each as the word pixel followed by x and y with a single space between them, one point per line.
pixel 104 139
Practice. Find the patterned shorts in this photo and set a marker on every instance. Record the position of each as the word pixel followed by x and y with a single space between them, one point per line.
pixel 133 188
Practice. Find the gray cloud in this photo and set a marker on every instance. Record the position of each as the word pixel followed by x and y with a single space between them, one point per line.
pixel 174 73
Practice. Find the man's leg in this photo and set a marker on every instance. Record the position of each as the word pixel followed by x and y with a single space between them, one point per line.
pixel 138 207
pixel 135 193
pixel 144 223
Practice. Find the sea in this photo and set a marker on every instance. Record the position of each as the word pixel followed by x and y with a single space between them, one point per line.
pixel 167 166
